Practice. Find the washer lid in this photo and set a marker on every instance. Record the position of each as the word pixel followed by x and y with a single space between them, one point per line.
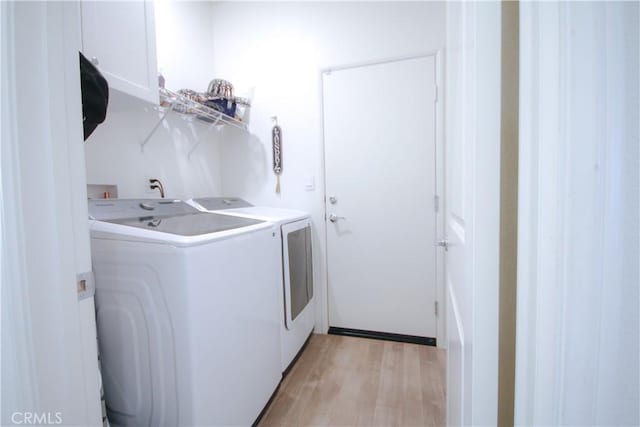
pixel 193 224
pixel 165 216
pixel 109 209
pixel 221 203
pixel 239 207
pixel 265 213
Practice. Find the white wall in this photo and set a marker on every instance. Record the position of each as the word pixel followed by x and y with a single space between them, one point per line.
pixel 183 37
pixel 275 51
pixel 113 153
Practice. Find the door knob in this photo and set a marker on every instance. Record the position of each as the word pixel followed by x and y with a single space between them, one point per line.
pixel 333 200
pixel 443 242
pixel 335 218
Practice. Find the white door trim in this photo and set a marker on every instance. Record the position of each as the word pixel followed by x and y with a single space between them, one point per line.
pixel 51 372
pixel 19 364
pixel 577 299
pixel 439 167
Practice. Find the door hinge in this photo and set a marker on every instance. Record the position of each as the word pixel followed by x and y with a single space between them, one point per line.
pixel 435 99
pixel 436 203
pixel 435 308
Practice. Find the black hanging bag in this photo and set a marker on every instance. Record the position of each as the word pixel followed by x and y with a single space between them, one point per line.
pixel 95 96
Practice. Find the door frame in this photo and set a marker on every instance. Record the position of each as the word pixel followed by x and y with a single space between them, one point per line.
pixel 556 307
pixel 440 185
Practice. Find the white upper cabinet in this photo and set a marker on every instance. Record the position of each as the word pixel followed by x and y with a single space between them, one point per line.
pixel 120 38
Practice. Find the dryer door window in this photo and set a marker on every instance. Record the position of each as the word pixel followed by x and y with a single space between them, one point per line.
pixel 298 268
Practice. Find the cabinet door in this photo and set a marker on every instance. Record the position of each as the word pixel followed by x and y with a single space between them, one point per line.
pixel 120 38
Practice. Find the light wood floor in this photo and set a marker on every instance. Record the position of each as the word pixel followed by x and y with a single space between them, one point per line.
pixel 344 381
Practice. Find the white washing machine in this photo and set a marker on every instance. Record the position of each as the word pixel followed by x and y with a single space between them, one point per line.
pixel 188 313
pixel 295 263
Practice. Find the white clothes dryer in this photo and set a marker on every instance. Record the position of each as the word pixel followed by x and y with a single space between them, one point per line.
pixel 296 266
pixel 187 312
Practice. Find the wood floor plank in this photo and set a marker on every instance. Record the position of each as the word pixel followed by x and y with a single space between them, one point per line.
pixel 369 370
pixel 297 386
pixel 388 403
pixel 433 373
pixel 412 410
pixel 346 381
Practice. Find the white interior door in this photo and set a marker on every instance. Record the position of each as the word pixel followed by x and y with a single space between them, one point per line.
pixel 49 350
pixel 472 212
pixel 379 124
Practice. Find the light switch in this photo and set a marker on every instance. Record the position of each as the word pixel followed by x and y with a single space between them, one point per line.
pixel 310 183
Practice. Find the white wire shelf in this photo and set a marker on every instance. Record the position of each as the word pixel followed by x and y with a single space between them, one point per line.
pixel 187 107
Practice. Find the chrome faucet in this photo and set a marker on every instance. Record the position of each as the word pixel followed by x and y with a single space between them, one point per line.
pixel 155 184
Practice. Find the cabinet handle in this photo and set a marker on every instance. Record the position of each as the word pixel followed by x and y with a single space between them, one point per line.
pixel 94 60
